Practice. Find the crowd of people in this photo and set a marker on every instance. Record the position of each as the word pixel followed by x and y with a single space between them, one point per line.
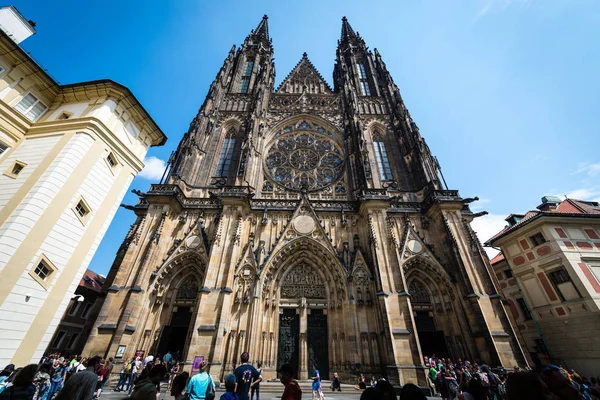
pixel 77 378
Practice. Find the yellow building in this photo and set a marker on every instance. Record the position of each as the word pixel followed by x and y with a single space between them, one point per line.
pixel 68 155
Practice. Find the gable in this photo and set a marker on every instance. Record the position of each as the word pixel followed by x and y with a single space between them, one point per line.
pixel 304 78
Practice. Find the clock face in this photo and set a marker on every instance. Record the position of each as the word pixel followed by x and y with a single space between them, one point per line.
pixel 304 160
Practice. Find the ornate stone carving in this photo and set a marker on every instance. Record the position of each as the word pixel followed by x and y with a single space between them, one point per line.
pixel 303 281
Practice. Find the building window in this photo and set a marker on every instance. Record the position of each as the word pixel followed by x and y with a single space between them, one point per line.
pixel 72 340
pixel 508 273
pixel 246 74
pixel 15 169
pixel 86 310
pixel 3 148
pixel 226 154
pixel 364 83
pixel 564 285
pixel 595 268
pixel 383 163
pixel 31 107
pixel 58 339
pixel 111 160
pixel 537 239
pixel 43 271
pixel 74 308
pixel 524 309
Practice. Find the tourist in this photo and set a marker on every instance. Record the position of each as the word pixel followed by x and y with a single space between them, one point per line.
pixel 174 371
pixel 56 379
pixel 292 390
pixel 450 384
pixel 82 385
pixel 230 383
pixel 168 358
pixel 316 385
pixel 360 384
pixel 42 382
pixel 386 390
pixel 201 384
pixel 178 385
pixel 9 369
pixel 373 381
pixel 149 388
pixel 124 375
pixel 335 383
pixel 246 376
pixel 148 359
pixel 135 371
pixel 474 390
pixel 412 392
pixel 22 386
pixel 256 388
pixel 103 375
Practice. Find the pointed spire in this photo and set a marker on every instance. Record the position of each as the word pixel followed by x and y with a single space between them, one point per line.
pixel 347 31
pixel 262 30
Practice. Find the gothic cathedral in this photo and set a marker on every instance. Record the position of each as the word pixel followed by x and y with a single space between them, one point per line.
pixel 304 223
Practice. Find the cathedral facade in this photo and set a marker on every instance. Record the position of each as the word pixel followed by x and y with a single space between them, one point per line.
pixel 304 223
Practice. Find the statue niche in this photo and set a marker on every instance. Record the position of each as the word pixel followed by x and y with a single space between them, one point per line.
pixel 303 281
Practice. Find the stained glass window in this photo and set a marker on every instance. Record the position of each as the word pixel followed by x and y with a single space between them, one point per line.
pixel 304 159
pixel 383 163
pixel 246 74
pixel 226 154
pixel 364 83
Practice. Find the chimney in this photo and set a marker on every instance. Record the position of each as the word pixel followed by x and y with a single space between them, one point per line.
pixel 549 203
pixel 15 25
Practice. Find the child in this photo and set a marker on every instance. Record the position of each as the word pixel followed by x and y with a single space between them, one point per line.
pixel 229 394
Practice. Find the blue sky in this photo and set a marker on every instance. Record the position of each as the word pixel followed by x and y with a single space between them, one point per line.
pixel 506 92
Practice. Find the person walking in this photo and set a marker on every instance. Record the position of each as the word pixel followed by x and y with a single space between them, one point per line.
pixel 135 371
pixel 22 386
pixel 42 382
pixel 103 375
pixel 292 390
pixel 56 378
pixel 201 384
pixel 316 385
pixel 246 377
pixel 229 388
pixel 256 388
pixel 175 370
pixel 149 387
pixel 82 385
pixel 178 386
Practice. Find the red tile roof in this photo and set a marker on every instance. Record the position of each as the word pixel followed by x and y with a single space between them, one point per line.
pixel 92 281
pixel 566 207
pixel 499 257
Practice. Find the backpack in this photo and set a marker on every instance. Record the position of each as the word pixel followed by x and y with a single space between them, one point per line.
pixel 485 381
pixel 452 388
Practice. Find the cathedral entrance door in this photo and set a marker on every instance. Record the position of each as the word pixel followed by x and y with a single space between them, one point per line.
pixel 289 330
pixel 174 336
pixel 431 341
pixel 317 342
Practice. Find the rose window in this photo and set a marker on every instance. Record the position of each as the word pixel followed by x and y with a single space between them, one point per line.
pixel 304 160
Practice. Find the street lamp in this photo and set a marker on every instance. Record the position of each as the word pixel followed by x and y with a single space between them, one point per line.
pixel 79 298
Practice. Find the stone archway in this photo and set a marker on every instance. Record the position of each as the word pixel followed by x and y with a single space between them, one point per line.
pixel 175 303
pixel 436 310
pixel 304 291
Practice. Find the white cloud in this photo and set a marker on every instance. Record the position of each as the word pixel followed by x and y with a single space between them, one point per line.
pixel 153 169
pixel 486 227
pixel 589 193
pixel 590 169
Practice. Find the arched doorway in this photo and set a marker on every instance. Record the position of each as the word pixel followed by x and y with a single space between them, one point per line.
pixel 431 339
pixel 176 304
pixel 304 291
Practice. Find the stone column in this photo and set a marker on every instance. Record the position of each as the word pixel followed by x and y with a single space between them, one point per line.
pixel 303 353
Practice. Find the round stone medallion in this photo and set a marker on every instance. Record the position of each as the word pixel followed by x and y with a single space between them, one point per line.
pixel 414 246
pixel 304 224
pixel 192 242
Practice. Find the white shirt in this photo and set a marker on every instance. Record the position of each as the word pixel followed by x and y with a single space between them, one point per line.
pixel 148 359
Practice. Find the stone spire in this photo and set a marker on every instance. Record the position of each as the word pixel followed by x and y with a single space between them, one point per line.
pixel 347 31
pixel 262 30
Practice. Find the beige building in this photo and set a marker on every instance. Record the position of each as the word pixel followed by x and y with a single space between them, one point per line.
pixel 68 155
pixel 552 269
pixel 304 223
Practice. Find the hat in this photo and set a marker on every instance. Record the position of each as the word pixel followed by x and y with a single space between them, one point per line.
pixel 230 380
pixel 286 368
